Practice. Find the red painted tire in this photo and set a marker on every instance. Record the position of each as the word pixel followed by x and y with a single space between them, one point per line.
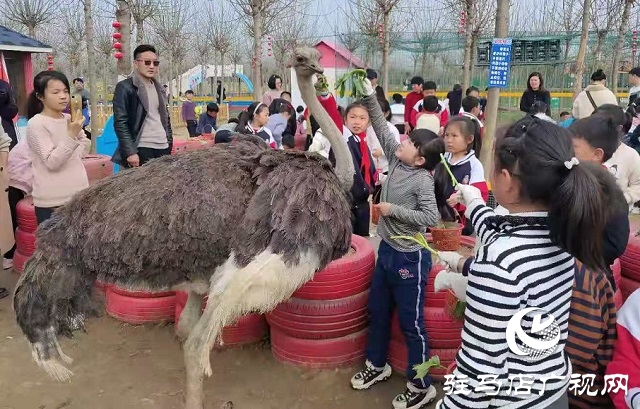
pixel 25 242
pixel 318 353
pixel 308 327
pixel 344 277
pixel 134 310
pixel 630 259
pixel 398 359
pixel 325 307
pixel 627 287
pixel 141 294
pixel 97 167
pixel 442 330
pixel 179 146
pixel 249 329
pixel 617 272
pixel 618 299
pixel 26 215
pixel 19 260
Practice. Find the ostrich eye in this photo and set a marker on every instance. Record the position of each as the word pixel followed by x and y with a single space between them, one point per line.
pixel 300 59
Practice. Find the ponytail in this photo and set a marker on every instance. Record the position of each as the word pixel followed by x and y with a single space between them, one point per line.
pixel 34 105
pixel 442 185
pixel 541 154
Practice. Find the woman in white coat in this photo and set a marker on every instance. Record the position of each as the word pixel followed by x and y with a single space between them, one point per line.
pixel 593 96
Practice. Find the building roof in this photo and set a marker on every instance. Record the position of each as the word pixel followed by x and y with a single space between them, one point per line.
pixel 13 41
pixel 344 53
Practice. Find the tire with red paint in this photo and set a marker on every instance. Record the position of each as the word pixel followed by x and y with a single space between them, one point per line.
pixel 630 259
pixel 179 146
pixel 97 167
pixel 25 242
pixel 398 356
pixel 141 294
pixel 618 299
pixel 627 287
pixel 135 310
pixel 26 215
pixel 443 332
pixel 617 272
pixel 318 353
pixel 344 277
pixel 19 261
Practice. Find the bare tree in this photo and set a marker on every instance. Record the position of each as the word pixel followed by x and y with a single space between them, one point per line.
pixel 222 38
pixel 74 27
pixel 569 12
pixel 91 70
pixel 141 11
pixel 29 13
pixel 604 15
pixel 386 8
pixel 367 19
pixel 104 46
pixel 584 37
pixel 260 16
pixel 426 32
pixel 617 50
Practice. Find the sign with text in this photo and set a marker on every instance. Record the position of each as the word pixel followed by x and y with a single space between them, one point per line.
pixel 500 63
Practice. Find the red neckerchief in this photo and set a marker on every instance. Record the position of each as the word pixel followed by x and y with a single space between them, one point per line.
pixel 366 159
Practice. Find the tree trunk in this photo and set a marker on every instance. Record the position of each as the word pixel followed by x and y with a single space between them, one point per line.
pixel 582 51
pixel 468 42
pixel 123 15
pixel 92 78
pixel 256 69
pixel 474 56
pixel 493 99
pixel 221 80
pixel 602 34
pixel 32 30
pixel 617 50
pixel 425 61
pixel 139 32
pixel 386 45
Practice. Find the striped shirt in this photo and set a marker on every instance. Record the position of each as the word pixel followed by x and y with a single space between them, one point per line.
pixel 592 334
pixel 516 267
pixel 409 189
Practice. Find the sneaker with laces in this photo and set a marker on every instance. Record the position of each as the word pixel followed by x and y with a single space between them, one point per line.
pixel 414 398
pixel 7 263
pixel 369 376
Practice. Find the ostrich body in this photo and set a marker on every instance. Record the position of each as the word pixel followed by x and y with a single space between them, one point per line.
pixel 240 222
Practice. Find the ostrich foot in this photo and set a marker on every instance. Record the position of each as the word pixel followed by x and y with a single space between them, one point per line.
pixel 190 315
pixel 194 385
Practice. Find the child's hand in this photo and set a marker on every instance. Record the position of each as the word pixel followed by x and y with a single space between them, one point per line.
pixel 376 153
pixel 384 208
pixel 468 194
pixel 454 199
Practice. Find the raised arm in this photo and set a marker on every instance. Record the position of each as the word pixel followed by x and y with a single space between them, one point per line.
pixel 379 124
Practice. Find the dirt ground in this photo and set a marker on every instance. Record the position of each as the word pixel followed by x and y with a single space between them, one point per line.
pixel 122 366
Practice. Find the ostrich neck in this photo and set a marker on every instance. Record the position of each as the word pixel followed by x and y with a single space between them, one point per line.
pixel 344 163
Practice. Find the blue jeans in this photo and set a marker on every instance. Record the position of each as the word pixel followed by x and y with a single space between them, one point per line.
pixel 399 281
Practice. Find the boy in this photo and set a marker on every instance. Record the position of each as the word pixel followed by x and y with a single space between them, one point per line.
pixel 189 113
pixel 429 90
pixel 565 119
pixel 288 142
pixel 397 112
pixel 429 118
pixel 207 123
pixel 415 96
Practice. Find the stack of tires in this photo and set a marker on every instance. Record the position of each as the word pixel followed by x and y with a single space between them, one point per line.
pixel 444 332
pixel 140 307
pixel 249 329
pixel 25 234
pixel 324 324
pixel 98 167
pixel 630 264
pixel 181 146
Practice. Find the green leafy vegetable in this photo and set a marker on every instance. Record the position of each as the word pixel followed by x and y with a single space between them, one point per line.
pixel 446 166
pixel 356 79
pixel 423 369
pixel 418 238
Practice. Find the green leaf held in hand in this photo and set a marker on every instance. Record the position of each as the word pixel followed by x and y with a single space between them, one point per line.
pixel 423 369
pixel 356 78
pixel 446 166
pixel 418 238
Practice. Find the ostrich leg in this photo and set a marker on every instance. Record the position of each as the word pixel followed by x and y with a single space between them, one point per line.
pixel 190 314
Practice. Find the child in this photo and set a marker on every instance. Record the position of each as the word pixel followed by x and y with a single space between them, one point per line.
pixel 57 145
pixel 288 143
pixel 407 206
pixel 253 121
pixel 397 112
pixel 471 106
pixel 461 146
pixel 429 90
pixel 415 96
pixel 565 119
pixel 526 260
pixel 189 113
pixel 207 120
pixel 20 186
pixel 429 118
pixel 278 122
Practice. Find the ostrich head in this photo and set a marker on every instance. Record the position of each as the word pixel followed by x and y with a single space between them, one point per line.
pixel 306 61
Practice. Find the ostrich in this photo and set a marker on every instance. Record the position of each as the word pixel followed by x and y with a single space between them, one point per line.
pixel 240 222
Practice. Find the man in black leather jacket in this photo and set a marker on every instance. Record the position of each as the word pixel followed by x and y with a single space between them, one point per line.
pixel 140 115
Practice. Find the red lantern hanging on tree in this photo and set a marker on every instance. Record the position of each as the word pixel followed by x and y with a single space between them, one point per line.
pixel 50 62
pixel 118 55
pixel 463 22
pixel 117 45
pixel 634 44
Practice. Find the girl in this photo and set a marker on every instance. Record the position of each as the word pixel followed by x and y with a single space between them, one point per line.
pixel 57 145
pixel 461 156
pixel 275 85
pixel 252 121
pixel 407 206
pixel 557 212
pixel 278 121
pixel 535 92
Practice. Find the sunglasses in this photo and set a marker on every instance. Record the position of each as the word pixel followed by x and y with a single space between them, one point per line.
pixel 149 62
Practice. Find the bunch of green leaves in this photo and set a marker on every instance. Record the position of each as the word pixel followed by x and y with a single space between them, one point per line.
pixel 417 238
pixel 448 169
pixel 356 79
pixel 458 311
pixel 423 369
pixel 321 83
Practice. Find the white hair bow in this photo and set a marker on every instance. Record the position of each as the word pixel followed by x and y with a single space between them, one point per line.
pixel 571 163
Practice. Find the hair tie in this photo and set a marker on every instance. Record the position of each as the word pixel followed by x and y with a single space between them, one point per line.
pixel 571 163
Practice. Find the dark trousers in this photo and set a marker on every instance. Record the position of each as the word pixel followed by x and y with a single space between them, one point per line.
pixel 146 154
pixel 15 195
pixel 191 127
pixel 44 213
pixel 399 281
pixel 360 219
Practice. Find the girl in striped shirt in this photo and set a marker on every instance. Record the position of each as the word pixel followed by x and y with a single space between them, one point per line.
pixel 526 260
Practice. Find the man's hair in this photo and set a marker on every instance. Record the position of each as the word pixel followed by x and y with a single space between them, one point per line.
pixel 188 92
pixel 471 89
pixel 285 92
pixel 143 48
pixel 429 85
pixel 77 80
pixel 635 71
pixel 468 103
pixel 563 113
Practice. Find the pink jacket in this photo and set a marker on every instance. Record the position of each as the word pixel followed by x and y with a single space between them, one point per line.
pixel 20 169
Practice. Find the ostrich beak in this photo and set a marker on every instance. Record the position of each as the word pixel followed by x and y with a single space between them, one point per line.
pixel 315 67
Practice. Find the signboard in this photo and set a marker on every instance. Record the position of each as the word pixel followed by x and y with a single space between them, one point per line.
pixel 500 63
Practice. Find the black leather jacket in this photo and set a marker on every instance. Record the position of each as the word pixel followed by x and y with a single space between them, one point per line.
pixel 129 114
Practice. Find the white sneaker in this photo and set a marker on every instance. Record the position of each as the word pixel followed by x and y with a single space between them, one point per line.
pixel 414 398
pixel 369 376
pixel 7 263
